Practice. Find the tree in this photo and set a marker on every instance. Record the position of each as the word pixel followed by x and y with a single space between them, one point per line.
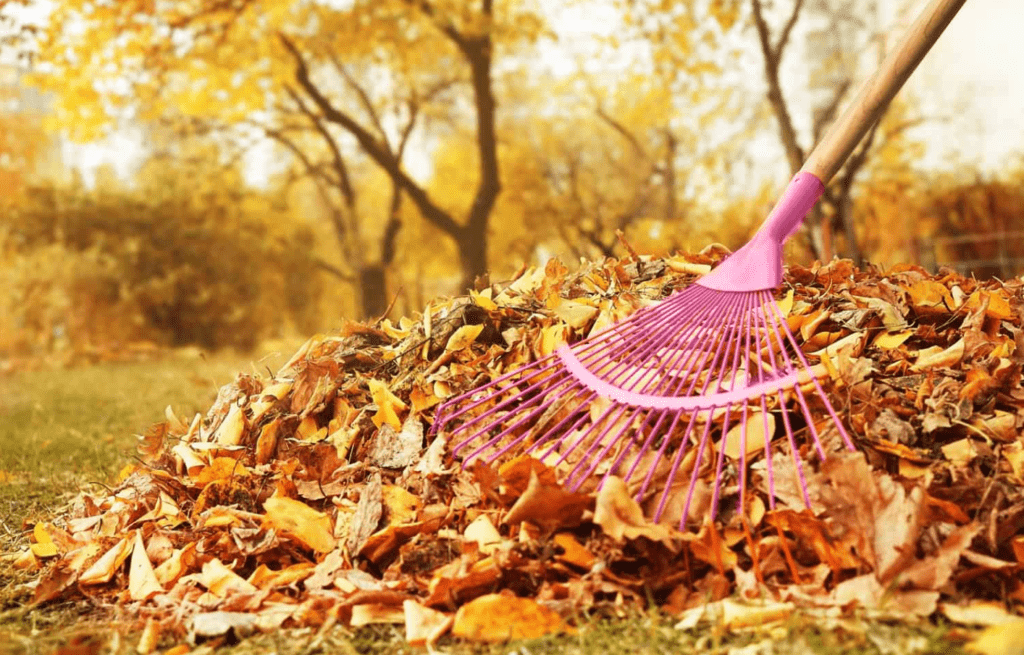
pixel 232 58
pixel 832 81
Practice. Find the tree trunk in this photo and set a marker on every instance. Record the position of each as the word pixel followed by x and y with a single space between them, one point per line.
pixel 473 256
pixel 373 289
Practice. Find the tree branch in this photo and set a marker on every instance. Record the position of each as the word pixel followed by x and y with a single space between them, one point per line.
pixel 380 154
pixel 772 60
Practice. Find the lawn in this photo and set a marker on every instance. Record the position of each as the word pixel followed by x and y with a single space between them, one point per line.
pixel 62 431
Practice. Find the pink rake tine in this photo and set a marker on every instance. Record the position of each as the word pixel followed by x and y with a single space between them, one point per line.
pixel 658 383
pixel 649 365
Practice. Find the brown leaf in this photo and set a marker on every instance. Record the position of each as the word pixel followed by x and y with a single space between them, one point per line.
pixel 548 506
pixel 621 517
pixel 368 514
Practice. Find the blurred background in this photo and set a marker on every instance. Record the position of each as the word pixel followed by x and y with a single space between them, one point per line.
pixel 217 173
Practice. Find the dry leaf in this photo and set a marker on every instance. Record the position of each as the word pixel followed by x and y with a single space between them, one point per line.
pixel 548 506
pixel 621 517
pixel 498 618
pixel 463 338
pixel 424 626
pixel 301 522
pixel 388 405
pixel 142 581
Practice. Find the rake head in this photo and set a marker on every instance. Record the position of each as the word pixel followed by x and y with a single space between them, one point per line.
pixel 670 389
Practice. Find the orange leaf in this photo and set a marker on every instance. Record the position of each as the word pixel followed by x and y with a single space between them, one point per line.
pixel 300 521
pixel 496 618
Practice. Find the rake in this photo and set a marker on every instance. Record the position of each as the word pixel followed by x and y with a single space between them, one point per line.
pixel 642 390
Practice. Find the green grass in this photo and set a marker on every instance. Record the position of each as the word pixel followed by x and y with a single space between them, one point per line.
pixel 62 431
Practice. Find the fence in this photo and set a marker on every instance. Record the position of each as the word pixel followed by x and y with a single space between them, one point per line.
pixel 1004 266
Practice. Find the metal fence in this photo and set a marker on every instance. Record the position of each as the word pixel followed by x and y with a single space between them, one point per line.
pixel 1004 265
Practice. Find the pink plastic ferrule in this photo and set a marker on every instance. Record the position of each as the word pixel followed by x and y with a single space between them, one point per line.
pixel 758 264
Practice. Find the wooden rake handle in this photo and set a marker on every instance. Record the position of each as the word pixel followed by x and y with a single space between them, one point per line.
pixel 877 92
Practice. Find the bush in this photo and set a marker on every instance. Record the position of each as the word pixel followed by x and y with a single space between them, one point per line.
pixel 100 269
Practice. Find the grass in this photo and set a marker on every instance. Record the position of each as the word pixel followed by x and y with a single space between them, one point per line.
pixel 66 430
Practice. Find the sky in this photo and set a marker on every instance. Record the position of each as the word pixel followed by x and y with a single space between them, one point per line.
pixel 971 80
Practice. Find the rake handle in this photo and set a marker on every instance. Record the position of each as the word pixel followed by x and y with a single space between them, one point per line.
pixel 878 91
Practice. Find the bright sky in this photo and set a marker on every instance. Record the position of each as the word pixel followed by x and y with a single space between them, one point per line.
pixel 973 75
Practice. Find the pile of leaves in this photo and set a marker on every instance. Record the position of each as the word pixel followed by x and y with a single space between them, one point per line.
pixel 318 495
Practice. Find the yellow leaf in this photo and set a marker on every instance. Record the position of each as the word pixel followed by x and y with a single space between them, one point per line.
pixel 300 521
pixel 1001 639
pixel 221 580
pixel 463 337
pixel 997 305
pixel 498 618
pixel 483 299
pixel 891 341
pixel 930 294
pixel 755 435
pixel 232 428
pixel 103 569
pixel 142 581
pixel 44 546
pixel 388 405
pixel 786 304
pixel 680 265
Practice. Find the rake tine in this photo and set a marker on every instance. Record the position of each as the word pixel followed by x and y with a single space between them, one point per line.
pixel 667 316
pixel 821 395
pixel 604 451
pixel 732 311
pixel 493 383
pixel 675 463
pixel 764 408
pixel 642 354
pixel 725 426
pixel 728 310
pixel 541 408
pixel 797 461
pixel 743 430
pixel 582 418
pixel 680 453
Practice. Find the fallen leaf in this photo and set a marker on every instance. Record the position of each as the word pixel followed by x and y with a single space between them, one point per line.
pixel 43 546
pixel 300 521
pixel 621 517
pixel 371 613
pixel 936 357
pixel 215 624
pixel 548 506
pixel 398 449
pixel 1002 639
pixel 892 340
pixel 142 582
pixel 103 569
pixel 499 618
pixel 388 405
pixel 463 337
pixel 482 532
pixel 424 625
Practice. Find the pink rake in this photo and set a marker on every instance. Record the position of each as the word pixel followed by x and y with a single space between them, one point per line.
pixel 630 390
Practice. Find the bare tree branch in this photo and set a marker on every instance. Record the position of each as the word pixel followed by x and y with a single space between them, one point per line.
pixel 377 151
